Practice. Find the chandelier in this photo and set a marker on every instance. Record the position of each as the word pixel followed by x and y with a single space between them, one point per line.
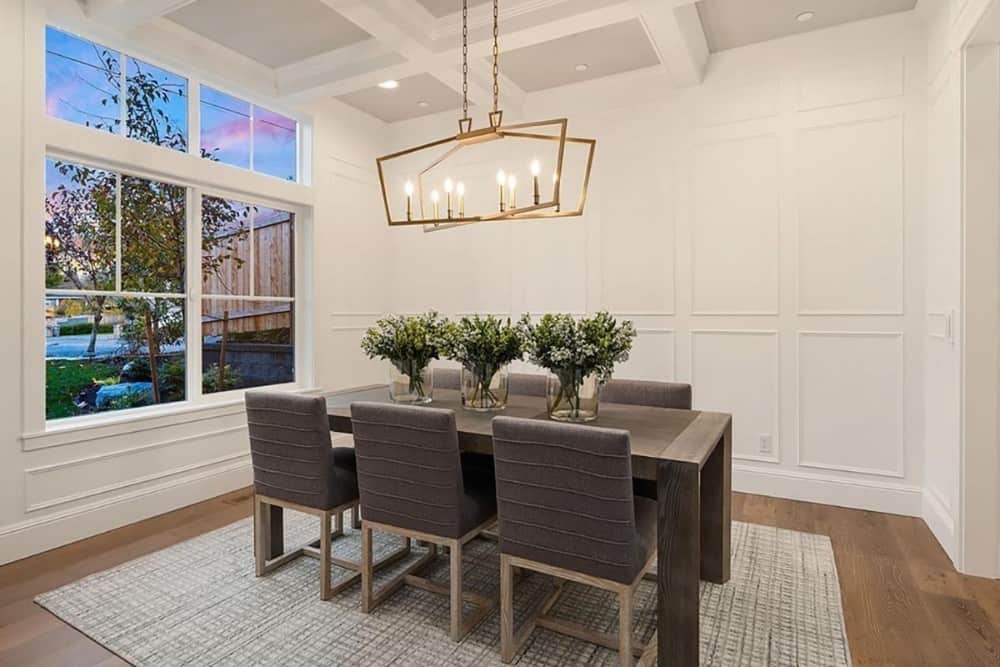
pixel 472 176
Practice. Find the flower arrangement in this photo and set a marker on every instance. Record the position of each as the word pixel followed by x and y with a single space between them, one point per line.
pixel 575 351
pixel 409 343
pixel 484 345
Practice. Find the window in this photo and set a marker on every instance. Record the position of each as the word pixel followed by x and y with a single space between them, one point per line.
pixel 116 280
pixel 243 135
pixel 83 84
pixel 247 310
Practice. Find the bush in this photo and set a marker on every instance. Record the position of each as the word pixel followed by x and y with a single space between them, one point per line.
pixel 210 379
pixel 84 328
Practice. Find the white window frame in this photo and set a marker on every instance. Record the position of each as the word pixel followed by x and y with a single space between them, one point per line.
pixel 47 137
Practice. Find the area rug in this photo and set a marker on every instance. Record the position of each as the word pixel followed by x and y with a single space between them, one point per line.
pixel 199 603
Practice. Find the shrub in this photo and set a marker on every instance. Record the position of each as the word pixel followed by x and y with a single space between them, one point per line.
pixel 210 379
pixel 84 328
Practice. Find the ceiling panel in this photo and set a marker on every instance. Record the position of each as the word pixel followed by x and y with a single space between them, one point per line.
pixel 441 8
pixel 610 49
pixel 272 33
pixel 416 96
pixel 732 23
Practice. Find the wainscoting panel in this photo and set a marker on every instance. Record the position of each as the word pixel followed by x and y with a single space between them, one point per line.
pixel 862 80
pixel 721 105
pixel 738 372
pixel 850 402
pixel 735 201
pixel 850 226
pixel 652 358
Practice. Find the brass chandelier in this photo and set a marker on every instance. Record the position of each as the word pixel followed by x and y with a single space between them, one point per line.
pixel 420 174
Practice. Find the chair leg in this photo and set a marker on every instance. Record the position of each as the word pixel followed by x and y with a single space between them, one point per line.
pixel 356 517
pixel 261 541
pixel 338 524
pixel 366 569
pixel 457 606
pixel 506 610
pixel 625 627
pixel 325 592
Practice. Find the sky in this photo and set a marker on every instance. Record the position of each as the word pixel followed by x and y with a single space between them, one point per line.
pixel 78 90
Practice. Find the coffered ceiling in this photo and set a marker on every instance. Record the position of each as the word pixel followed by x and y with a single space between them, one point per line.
pixel 301 50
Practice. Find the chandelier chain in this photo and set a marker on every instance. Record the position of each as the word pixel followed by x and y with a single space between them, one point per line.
pixel 465 59
pixel 496 55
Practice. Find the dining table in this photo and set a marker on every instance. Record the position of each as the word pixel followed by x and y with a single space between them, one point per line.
pixel 686 453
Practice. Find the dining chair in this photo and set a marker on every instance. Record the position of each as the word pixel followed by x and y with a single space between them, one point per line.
pixel 447 378
pixel 295 468
pixel 412 484
pixel 566 509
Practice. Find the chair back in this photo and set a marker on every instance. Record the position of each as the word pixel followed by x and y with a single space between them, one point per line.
pixel 564 496
pixel 447 378
pixel 650 394
pixel 527 384
pixel 290 447
pixel 409 467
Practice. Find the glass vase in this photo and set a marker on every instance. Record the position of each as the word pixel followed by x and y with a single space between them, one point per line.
pixel 484 388
pixel 572 396
pixel 410 383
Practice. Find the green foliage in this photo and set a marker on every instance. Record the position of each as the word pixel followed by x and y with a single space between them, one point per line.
pixel 132 399
pixel 64 380
pixel 408 343
pixel 482 343
pixel 210 379
pixel 592 345
pixel 84 328
pixel 281 336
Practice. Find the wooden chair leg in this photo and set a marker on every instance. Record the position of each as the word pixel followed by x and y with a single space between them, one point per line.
pixel 366 569
pixel 625 628
pixel 457 606
pixel 261 528
pixel 506 610
pixel 356 517
pixel 325 592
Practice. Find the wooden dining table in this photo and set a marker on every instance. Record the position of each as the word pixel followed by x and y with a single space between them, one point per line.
pixel 687 453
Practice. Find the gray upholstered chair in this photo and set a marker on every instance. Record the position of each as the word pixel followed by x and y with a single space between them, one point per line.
pixel 411 482
pixel 447 378
pixel 674 395
pixel 651 394
pixel 566 509
pixel 294 467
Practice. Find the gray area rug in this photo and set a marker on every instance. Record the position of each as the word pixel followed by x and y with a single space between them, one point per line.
pixel 199 603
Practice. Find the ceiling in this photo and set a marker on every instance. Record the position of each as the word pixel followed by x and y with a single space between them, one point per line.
pixel 274 33
pixel 406 100
pixel 441 8
pixel 611 49
pixel 732 23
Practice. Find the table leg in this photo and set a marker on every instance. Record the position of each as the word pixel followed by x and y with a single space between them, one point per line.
pixel 277 523
pixel 677 563
pixel 716 504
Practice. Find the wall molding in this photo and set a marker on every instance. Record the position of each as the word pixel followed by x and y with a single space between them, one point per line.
pixel 876 496
pixel 900 471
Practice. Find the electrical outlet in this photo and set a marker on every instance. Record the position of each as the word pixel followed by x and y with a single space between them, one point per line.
pixel 765 443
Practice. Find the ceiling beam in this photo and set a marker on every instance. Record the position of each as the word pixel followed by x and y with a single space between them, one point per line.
pixel 124 15
pixel 674 27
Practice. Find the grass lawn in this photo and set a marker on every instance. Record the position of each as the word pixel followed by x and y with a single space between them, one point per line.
pixel 64 379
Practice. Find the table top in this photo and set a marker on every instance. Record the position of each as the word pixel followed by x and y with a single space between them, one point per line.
pixel 657 434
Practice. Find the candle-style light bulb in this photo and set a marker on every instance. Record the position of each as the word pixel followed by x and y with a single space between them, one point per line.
pixel 502 182
pixel 435 198
pixel 555 181
pixel 536 169
pixel 449 186
pixel 409 200
pixel 460 188
pixel 512 190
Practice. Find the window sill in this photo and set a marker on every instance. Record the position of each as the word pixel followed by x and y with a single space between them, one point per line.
pixel 75 430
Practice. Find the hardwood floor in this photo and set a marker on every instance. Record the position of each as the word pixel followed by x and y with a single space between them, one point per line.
pixel 903 601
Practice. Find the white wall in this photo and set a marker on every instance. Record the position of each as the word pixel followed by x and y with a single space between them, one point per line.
pixel 764 230
pixel 58 487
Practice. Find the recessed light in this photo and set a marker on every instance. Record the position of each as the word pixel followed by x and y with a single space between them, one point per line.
pixel 805 17
pixel 423 104
pixel 582 67
pixel 389 85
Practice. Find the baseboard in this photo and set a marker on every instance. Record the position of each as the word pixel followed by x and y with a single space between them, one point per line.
pixel 35 535
pixel 877 496
pixel 937 517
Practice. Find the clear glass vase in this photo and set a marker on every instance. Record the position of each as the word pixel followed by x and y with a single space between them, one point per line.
pixel 572 396
pixel 409 383
pixel 484 388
